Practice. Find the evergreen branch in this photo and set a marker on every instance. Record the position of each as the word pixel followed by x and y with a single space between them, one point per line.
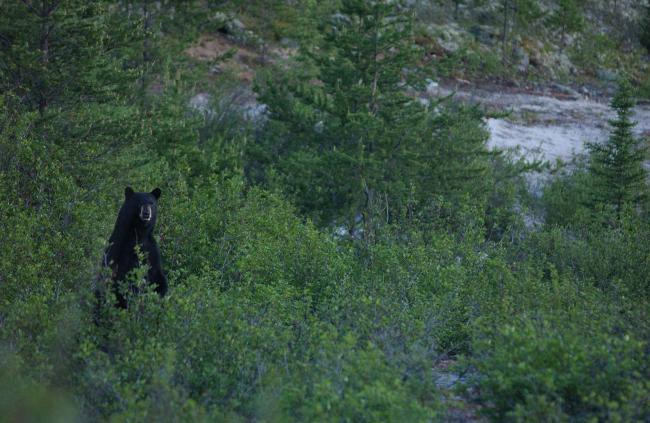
pixel 5 40
pixel 30 7
pixel 52 8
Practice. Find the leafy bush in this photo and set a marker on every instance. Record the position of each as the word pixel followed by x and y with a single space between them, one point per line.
pixel 562 368
pixel 271 316
pixel 354 383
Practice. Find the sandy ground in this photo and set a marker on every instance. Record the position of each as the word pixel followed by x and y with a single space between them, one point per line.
pixel 545 127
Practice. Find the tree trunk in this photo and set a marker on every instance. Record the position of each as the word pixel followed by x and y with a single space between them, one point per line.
pixel 146 16
pixel 146 48
pixel 44 46
pixel 367 213
pixel 504 35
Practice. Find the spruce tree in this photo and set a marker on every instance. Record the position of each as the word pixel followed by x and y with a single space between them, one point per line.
pixel 617 165
pixel 352 137
pixel 347 133
pixel 60 53
pixel 76 64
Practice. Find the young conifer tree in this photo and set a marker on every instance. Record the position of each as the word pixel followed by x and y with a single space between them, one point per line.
pixel 617 165
pixel 347 127
pixel 60 54
pixel 76 64
pixel 353 134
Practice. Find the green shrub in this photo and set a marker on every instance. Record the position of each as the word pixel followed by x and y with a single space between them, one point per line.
pixel 270 317
pixel 25 399
pixel 594 51
pixel 562 368
pixel 354 383
pixel 612 260
pixel 565 197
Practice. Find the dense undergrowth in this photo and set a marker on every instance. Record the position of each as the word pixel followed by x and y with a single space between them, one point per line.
pixel 320 263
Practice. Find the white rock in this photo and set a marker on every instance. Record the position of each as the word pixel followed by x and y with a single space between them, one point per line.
pixel 432 87
pixel 201 102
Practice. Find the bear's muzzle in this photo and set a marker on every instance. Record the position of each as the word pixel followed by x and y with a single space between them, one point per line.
pixel 146 213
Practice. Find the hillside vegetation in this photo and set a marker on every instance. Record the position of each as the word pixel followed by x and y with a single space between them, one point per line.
pixel 336 247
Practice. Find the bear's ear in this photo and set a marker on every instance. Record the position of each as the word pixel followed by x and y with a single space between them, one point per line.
pixel 128 191
pixel 156 193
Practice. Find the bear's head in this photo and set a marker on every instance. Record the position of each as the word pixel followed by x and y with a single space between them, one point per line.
pixel 141 207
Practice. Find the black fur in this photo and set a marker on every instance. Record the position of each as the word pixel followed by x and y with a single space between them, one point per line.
pixel 134 226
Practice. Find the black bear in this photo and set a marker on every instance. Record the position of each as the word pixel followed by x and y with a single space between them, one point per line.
pixel 134 226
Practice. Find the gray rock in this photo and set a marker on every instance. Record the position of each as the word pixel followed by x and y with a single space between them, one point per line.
pixel 338 20
pixel 201 104
pixel 448 36
pixel 219 19
pixel 237 25
pixel 564 64
pixel 519 52
pixel 237 32
pixel 201 101
pixel 432 87
pixel 289 42
pixel 485 34
pixel 338 16
pixel 447 380
pixel 255 112
pixel 216 70
pixel 565 90
pixel 523 58
pixel 606 75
